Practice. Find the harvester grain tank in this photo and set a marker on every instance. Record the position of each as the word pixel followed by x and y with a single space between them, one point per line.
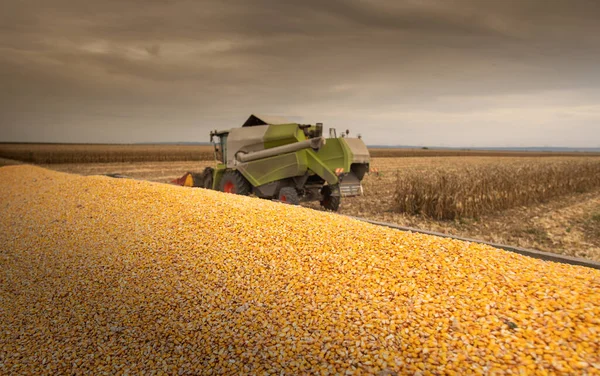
pixel 275 158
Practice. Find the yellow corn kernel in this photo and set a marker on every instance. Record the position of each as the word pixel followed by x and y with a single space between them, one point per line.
pixel 116 276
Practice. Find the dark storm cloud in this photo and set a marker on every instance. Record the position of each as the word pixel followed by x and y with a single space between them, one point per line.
pixel 411 72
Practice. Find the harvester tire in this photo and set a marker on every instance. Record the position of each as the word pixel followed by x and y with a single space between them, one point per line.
pixel 233 182
pixel 207 178
pixel 329 201
pixel 289 195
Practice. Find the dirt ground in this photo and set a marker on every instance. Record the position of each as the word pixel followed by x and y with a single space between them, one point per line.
pixel 569 225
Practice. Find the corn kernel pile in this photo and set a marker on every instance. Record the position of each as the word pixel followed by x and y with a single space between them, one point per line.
pixel 116 276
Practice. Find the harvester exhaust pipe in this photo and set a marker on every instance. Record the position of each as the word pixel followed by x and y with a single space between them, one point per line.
pixel 313 143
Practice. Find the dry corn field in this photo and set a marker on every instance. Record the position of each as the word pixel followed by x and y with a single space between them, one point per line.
pixel 408 152
pixel 100 153
pixel 117 276
pixel 470 192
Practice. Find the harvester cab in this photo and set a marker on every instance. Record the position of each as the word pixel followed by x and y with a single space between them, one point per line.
pixel 275 158
pixel 220 146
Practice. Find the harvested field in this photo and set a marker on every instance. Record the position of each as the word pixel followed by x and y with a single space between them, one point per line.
pixel 105 275
pixel 8 162
pixel 99 153
pixel 160 172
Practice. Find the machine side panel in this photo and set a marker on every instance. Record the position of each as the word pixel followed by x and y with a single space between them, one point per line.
pixel 270 169
pixel 335 154
pixel 319 167
pixel 218 173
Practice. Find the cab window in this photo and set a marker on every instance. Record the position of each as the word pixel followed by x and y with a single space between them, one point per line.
pixel 224 148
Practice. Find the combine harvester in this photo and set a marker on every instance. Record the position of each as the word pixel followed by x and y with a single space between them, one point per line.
pixel 277 159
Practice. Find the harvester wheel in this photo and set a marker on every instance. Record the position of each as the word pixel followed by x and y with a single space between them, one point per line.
pixel 207 178
pixel 233 182
pixel 329 201
pixel 208 182
pixel 289 195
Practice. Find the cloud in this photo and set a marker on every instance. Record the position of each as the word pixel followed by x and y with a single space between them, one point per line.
pixel 169 71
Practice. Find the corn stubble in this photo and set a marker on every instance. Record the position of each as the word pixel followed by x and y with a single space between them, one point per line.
pixel 473 191
pixel 112 276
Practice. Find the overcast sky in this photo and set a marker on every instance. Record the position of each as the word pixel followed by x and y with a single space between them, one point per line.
pixel 414 72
